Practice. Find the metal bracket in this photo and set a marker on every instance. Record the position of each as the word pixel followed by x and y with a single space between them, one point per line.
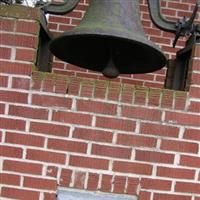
pixel 60 8
pixel 183 27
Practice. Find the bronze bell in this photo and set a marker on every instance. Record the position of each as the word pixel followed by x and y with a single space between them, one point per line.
pixel 110 40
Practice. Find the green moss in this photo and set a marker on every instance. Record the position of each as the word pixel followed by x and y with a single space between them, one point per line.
pixel 20 12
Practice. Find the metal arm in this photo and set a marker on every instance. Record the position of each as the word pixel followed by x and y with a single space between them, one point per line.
pixel 158 19
pixel 60 8
pixel 182 27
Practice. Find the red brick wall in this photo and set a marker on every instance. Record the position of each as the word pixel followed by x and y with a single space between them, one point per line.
pixel 92 134
pixel 172 10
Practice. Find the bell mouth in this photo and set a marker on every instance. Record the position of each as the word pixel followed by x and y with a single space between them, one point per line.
pixel 92 52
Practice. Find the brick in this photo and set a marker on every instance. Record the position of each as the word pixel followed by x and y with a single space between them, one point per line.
pixel 141 113
pixel 87 162
pixel 151 31
pixel 79 179
pixel 155 85
pixel 135 140
pixel 59 19
pixel 132 167
pixel 114 90
pixel 195 79
pixel 106 183
pixel 25 55
pixel 65 177
pixel 36 84
pixel 116 124
pixel 154 97
pixel 75 14
pixel 87 86
pixel 28 112
pixel 100 89
pixel 182 118
pixel 155 157
pixel 111 151
pixel 161 39
pixel 24 139
pixel 127 94
pixel 132 185
pixel 9 179
pixel 93 180
pixel 141 99
pixel 13 124
pixel 5 52
pixel 6 24
pixel 1 136
pixel 3 81
pixel 20 83
pixel 60 85
pixel 159 129
pixel 18 40
pixel 64 27
pixel 66 73
pixel 15 68
pixel 167 99
pixel 15 97
pixel 119 184
pixel 169 12
pixel 162 196
pixel 194 107
pixel 187 187
pixel 144 195
pixel 195 64
pixel 175 173
pixel 155 184
pixel 27 27
pixel 96 107
pixel 40 183
pixel 50 196
pixel 180 100
pixel 51 101
pixel 144 76
pixel 192 134
pixel 46 156
pixel 52 171
pixel 93 135
pixel 2 108
pixel 179 146
pixel 194 92
pixel 67 145
pixel 83 6
pixel 72 118
pixel 75 68
pixel 190 161
pixel 178 6
pixel 22 194
pixel 49 129
pixel 48 85
pixel 140 96
pixel 74 87
pixel 23 167
pixel 52 27
pixel 8 151
pixel 196 51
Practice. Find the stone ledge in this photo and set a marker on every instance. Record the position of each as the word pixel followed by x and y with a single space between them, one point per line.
pixel 109 91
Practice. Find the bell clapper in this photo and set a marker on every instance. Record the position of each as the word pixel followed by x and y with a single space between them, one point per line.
pixel 110 69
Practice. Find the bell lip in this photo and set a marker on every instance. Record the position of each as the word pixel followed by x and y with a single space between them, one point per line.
pixel 74 34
